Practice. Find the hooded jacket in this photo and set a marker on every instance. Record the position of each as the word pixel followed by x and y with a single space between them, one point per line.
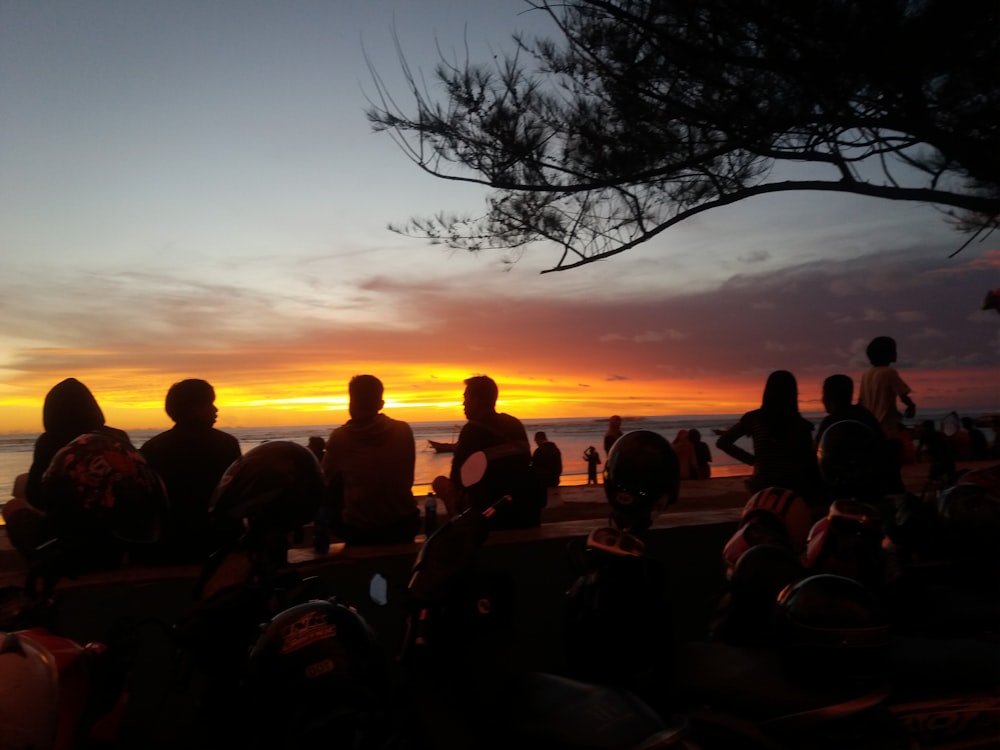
pixel 373 462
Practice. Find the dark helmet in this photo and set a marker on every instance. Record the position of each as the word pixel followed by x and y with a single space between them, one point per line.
pixel 316 671
pixel 831 628
pixel 785 506
pixel 641 476
pixel 847 542
pixel 29 693
pixel 277 486
pixel 850 459
pixel 100 483
pixel 757 578
pixel 759 529
pixel 970 515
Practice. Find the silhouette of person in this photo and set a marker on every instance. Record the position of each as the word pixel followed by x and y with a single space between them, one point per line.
pixel 369 464
pixel 934 448
pixel 881 386
pixel 504 440
pixel 837 396
pixel 69 410
pixel 614 432
pixel 593 459
pixel 979 448
pixel 190 458
pixel 702 454
pixel 546 463
pixel 318 447
pixel 685 455
pixel 783 453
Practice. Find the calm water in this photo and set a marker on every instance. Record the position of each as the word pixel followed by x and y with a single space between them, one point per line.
pixel 571 435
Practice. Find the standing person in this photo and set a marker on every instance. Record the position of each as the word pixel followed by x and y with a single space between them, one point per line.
pixel 546 463
pixel 593 459
pixel 685 455
pixel 881 386
pixel 369 464
pixel 504 440
pixel 614 432
pixel 702 454
pixel 190 458
pixel 783 453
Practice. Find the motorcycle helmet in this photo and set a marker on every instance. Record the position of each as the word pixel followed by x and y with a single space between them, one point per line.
pixel 760 574
pixel 831 629
pixel 785 506
pixel 970 516
pixel 103 499
pixel 29 694
pixel 276 486
pixel 760 529
pixel 850 457
pixel 316 673
pixel 847 542
pixel 641 476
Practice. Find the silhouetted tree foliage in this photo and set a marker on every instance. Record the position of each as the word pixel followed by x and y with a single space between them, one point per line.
pixel 647 112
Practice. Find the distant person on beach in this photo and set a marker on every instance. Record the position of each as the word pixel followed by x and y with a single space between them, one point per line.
pixel 504 440
pixel 318 447
pixel 369 464
pixel 546 463
pixel 783 452
pixel 190 458
pixel 702 454
pixel 593 459
pixel 935 451
pixel 614 432
pixel 684 451
pixel 979 447
pixel 881 386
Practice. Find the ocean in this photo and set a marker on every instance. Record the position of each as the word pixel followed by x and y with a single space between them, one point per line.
pixel 573 436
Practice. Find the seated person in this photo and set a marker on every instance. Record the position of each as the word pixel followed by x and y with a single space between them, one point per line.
pixel 505 442
pixel 368 464
pixel 69 410
pixel 190 457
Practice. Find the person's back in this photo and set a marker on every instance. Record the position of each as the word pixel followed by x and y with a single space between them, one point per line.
pixel 190 458
pixel 369 464
pixel 702 454
pixel 686 458
pixel 546 461
pixel 783 450
pixel 69 410
pixel 881 387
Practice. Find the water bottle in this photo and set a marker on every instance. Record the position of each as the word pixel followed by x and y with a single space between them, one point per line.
pixel 430 514
pixel 321 533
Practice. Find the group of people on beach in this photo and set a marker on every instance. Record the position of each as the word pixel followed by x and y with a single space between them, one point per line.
pixel 367 464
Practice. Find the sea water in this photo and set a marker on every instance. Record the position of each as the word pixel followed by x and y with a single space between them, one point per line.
pixel 572 436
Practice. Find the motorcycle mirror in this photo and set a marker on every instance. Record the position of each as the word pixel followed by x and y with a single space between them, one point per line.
pixel 473 468
pixel 378 590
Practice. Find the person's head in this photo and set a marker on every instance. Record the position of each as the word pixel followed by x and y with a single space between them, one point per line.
pixel 694 435
pixel 968 423
pixel 682 436
pixel 480 398
pixel 781 392
pixel 366 396
pixel 541 437
pixel 191 402
pixel 614 423
pixel 881 351
pixel 70 409
pixel 838 392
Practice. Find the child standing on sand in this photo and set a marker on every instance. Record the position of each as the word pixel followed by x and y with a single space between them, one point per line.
pixel 593 458
pixel 881 386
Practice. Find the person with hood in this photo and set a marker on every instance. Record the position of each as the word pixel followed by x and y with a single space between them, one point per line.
pixel 69 411
pixel 368 465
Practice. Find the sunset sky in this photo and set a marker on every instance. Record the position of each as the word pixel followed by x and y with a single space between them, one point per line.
pixel 191 189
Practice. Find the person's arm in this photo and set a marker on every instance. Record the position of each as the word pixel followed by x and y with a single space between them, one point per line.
pixel 911 408
pixel 727 443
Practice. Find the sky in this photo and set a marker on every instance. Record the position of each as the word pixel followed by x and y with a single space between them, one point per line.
pixel 192 189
